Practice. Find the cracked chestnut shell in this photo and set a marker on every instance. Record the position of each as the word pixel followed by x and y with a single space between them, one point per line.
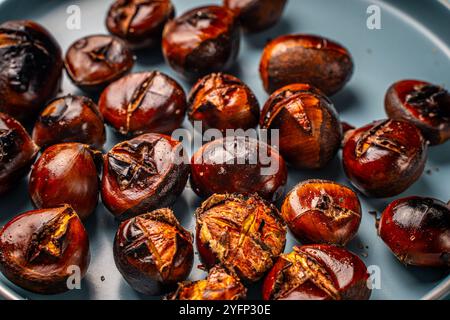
pixel 95 61
pixel 219 285
pixel 201 41
pixel 238 165
pixel 70 119
pixel 39 249
pixel 424 104
pixel 221 101
pixel 320 211
pixel 143 174
pixel 17 152
pixel 244 234
pixel 153 252
pixel 317 272
pixel 67 173
pixel 144 102
pixel 417 230
pixel 384 158
pixel 139 23
pixel 310 132
pixel 301 58
pixel 31 68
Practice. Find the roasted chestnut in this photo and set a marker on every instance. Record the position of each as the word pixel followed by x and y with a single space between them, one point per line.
pixel 238 165
pixel 17 152
pixel 242 233
pixel 417 230
pixel 201 41
pixel 70 119
pixel 153 252
pixel 144 102
pixel 319 211
pixel 95 61
pixel 384 158
pixel 143 174
pixel 311 59
pixel 31 68
pixel 41 249
pixel 310 132
pixel 424 104
pixel 139 23
pixel 221 101
pixel 317 272
pixel 219 285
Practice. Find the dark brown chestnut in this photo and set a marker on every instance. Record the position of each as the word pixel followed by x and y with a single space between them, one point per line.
pixel 202 41
pixel 70 119
pixel 221 101
pixel 384 158
pixel 417 230
pixel 143 174
pixel 424 104
pixel 317 272
pixel 238 165
pixel 242 233
pixel 143 103
pixel 95 61
pixel 311 59
pixel 31 68
pixel 320 211
pixel 309 129
pixel 41 249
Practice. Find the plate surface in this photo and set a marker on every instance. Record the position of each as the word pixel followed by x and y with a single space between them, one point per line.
pixel 406 47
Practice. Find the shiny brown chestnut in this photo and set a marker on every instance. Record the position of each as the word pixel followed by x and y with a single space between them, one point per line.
pixel 311 59
pixel 238 165
pixel 320 211
pixel 70 119
pixel 143 103
pixel 31 68
pixel 139 23
pixel 201 41
pixel 317 272
pixel 39 249
pixel 425 105
pixel 417 230
pixel 153 252
pixel 384 158
pixel 143 174
pixel 310 132
pixel 17 152
pixel 219 285
pixel 221 101
pixel 95 61
pixel 244 234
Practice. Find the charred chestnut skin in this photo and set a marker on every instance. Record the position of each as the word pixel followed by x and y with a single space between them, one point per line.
pixel 153 252
pixel 416 229
pixel 310 131
pixel 146 102
pixel 221 101
pixel 70 119
pixel 244 234
pixel 317 272
pixel 322 212
pixel 300 58
pixel 384 158
pixel 39 247
pixel 17 152
pixel 201 41
pixel 31 64
pixel 143 174
pixel 224 166
pixel 424 104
